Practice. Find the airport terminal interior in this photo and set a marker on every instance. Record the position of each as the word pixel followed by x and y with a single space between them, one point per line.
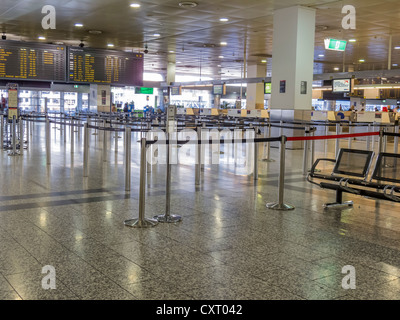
pixel 199 150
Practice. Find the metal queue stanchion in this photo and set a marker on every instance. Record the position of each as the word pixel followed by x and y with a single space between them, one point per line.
pixel 373 138
pixel 198 158
pixel 280 205
pixel 116 139
pixel 48 145
pixel 142 222
pixel 369 138
pixel 255 169
pixel 171 131
pixel 65 127
pixel 305 153
pixel 104 143
pixel 168 217
pixel 128 133
pixel 14 151
pixel 85 150
pixel 350 139
pixel 2 132
pixel 312 147
pixel 72 135
pixel 21 136
pixel 267 146
pixel 337 145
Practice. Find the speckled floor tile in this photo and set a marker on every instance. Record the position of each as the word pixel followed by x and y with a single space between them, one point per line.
pixel 29 287
pixel 228 245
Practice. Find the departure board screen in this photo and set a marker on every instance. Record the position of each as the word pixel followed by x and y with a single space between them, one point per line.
pixel 88 65
pixel 32 61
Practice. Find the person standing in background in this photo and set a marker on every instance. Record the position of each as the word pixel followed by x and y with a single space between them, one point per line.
pixel 3 103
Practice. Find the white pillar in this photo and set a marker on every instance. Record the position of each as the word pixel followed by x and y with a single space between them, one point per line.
pixel 293 58
pixel 255 91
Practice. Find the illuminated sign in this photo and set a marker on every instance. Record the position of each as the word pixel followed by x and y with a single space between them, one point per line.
pixel 267 88
pixel 336 45
pixel 341 85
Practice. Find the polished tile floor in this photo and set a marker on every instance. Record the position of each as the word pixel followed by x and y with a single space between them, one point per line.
pixel 228 246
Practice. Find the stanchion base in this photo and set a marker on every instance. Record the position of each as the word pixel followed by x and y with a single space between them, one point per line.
pixel 138 223
pixel 168 219
pixel 281 207
pixel 338 205
pixel 268 160
pixel 14 154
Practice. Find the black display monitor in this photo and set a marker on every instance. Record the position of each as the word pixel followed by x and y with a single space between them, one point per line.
pixel 87 65
pixel 32 61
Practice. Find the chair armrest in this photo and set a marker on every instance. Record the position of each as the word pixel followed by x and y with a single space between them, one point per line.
pixel 314 166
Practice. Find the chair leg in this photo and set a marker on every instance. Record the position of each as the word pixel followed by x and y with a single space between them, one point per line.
pixel 339 201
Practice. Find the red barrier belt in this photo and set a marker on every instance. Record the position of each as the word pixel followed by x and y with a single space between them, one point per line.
pixel 341 136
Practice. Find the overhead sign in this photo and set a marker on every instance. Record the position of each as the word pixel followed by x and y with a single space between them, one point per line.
pixel 32 61
pixel 336 45
pixel 219 89
pixel 267 88
pixel 88 65
pixel 176 91
pixel 143 90
pixel 341 85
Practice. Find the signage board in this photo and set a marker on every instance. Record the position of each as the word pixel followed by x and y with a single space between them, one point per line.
pixel 341 85
pixel 335 45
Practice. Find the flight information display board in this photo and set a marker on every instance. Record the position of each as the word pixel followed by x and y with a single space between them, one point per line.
pixel 88 65
pixel 32 61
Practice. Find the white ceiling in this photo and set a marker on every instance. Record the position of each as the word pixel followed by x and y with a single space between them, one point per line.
pixel 194 34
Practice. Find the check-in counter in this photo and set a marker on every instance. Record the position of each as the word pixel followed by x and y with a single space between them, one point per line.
pixel 234 112
pixel 244 113
pixel 320 115
pixel 181 111
pixel 209 112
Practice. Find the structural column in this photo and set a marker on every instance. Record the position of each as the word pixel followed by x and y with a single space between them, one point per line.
pixel 293 58
pixel 292 67
pixel 255 91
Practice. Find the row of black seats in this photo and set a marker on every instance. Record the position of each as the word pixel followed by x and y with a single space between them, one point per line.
pixel 352 174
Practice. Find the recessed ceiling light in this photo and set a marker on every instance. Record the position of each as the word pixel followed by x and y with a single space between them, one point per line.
pixel 156 35
pixel 110 45
pixel 263 61
pixel 171 51
pixel 395 65
pixel 78 25
pixel 224 19
pixel 188 4
pixel 321 55
pixel 352 40
pixel 135 5
pixel 336 69
pixel 41 38
pixel 397 48
pixel 221 57
pixel 223 43
pixel 219 66
pixel 361 60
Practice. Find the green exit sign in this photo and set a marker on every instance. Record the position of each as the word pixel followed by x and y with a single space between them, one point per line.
pixel 336 45
pixel 142 90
